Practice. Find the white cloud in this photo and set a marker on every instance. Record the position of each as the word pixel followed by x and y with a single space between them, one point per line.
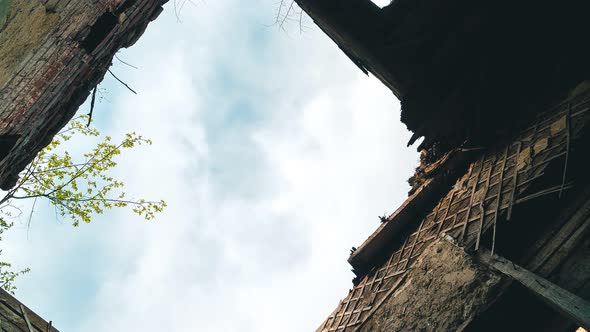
pixel 275 155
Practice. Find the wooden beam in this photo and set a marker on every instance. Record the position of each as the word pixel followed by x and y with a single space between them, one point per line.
pixel 12 311
pixel 24 312
pixel 566 303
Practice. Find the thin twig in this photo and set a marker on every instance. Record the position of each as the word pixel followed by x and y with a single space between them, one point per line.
pixel 125 84
pixel 31 217
pixel 279 11
pixel 287 14
pixel 91 106
pixel 125 63
pixel 60 167
pixel 82 169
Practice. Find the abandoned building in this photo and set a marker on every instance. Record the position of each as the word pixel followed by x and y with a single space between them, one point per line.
pixel 494 234
pixel 53 53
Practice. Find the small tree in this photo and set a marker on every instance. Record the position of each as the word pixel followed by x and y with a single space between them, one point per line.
pixel 78 189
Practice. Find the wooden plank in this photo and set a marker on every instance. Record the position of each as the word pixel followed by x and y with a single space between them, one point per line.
pixel 498 201
pixel 12 315
pixel 412 210
pixel 446 213
pixel 36 321
pixel 483 198
pixel 414 244
pixel 514 180
pixel 567 247
pixel 357 302
pixel 8 326
pixel 473 191
pixel 556 237
pixel 568 144
pixel 392 290
pixel 24 313
pixel 568 304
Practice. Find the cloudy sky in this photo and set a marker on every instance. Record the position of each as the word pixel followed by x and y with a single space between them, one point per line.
pixel 275 155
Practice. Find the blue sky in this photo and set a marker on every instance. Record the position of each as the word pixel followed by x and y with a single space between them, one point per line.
pixel 275 155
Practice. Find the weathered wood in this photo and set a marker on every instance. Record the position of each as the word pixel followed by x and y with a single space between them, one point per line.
pixel 24 313
pixel 12 317
pixel 514 179
pixel 368 253
pixel 568 143
pixel 11 309
pixel 498 200
pixel 473 191
pixel 414 244
pixel 568 304
pixel 440 225
pixel 393 288
pixel 564 250
pixel 8 326
pixel 483 198
pixel 555 239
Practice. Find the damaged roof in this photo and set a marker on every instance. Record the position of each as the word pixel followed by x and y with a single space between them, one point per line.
pixel 461 67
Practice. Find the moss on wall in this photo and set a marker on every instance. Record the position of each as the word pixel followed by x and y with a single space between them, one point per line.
pixel 26 22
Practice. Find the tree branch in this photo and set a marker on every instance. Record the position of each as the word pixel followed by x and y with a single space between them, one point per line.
pixel 91 106
pixel 118 79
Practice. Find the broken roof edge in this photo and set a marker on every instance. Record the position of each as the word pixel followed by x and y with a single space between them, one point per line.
pixel 444 176
pixel 367 254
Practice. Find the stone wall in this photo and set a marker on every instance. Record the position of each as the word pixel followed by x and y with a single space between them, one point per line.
pixel 52 54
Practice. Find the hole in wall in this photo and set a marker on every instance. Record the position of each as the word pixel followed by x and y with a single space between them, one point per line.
pixel 99 31
pixel 7 142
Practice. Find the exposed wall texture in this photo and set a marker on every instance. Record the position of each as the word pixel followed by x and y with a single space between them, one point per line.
pixel 52 53
pixel 443 290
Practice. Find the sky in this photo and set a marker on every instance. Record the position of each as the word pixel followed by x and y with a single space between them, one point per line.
pixel 275 155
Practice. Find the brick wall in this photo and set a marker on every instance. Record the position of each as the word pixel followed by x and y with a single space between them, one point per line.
pixel 52 75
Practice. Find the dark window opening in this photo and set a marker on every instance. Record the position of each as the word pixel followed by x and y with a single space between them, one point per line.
pixel 99 31
pixel 7 142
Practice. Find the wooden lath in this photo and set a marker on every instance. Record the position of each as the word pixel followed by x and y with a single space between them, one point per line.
pixel 500 175
pixel 14 316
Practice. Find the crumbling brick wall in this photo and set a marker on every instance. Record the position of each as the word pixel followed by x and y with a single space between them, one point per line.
pixel 52 53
